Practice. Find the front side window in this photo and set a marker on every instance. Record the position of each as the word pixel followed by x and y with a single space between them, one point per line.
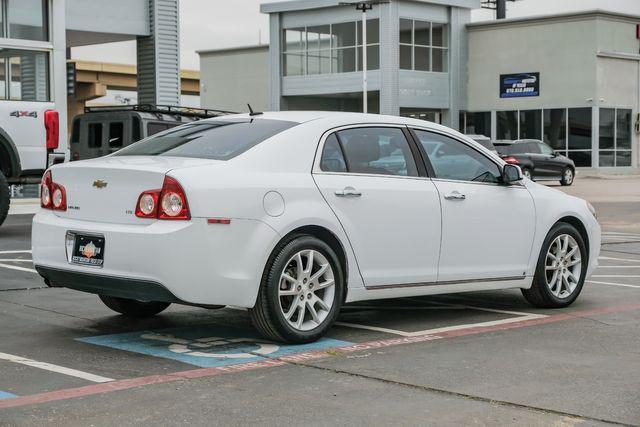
pixel 377 151
pixel 216 140
pixel 454 160
pixel 545 149
pixel 423 46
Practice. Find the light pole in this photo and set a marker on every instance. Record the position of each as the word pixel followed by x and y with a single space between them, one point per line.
pixel 363 6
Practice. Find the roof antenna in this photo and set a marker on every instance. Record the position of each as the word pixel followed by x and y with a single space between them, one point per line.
pixel 253 113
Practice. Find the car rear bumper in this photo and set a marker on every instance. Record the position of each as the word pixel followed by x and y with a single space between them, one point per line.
pixel 122 287
pixel 175 261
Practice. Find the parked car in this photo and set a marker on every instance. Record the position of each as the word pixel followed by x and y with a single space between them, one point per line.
pixel 105 130
pixel 292 214
pixel 484 141
pixel 537 160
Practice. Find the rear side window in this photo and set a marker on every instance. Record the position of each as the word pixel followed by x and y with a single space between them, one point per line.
pixel 95 135
pixel 378 151
pixel 116 134
pixel 332 157
pixel 153 128
pixel 217 140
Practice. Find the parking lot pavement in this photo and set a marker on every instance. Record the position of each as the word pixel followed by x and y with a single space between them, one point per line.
pixel 485 357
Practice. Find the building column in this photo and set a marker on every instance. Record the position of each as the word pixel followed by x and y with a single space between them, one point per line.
pixel 275 62
pixel 159 55
pixel 58 68
pixel 389 59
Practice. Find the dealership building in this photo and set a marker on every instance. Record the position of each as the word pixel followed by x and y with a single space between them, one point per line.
pixel 37 36
pixel 571 79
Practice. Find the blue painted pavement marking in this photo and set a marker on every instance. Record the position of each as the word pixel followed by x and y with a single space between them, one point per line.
pixel 6 395
pixel 206 346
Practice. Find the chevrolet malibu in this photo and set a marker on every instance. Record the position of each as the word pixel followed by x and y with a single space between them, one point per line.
pixel 293 214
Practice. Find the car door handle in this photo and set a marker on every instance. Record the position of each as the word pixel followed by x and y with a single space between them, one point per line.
pixel 348 192
pixel 455 195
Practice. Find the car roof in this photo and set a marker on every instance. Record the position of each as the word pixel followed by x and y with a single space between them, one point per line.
pixel 338 118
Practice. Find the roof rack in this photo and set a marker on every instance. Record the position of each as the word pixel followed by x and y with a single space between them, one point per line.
pixel 161 109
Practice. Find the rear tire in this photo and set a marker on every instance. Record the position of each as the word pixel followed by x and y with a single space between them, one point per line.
pixel 561 269
pixel 568 175
pixel 5 198
pixel 134 308
pixel 527 173
pixel 301 292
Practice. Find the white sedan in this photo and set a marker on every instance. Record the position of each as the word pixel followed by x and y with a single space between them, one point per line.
pixel 292 214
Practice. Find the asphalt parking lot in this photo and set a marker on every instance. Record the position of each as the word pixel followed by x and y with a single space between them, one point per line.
pixel 477 358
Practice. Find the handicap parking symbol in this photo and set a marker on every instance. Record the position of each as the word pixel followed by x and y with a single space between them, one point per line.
pixel 206 345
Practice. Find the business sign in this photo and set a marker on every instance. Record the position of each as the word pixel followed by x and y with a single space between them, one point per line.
pixel 518 85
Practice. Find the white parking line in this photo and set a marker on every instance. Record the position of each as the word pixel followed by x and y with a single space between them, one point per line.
pixel 15 252
pixel 619 259
pixel 519 318
pixel 14 267
pixel 614 284
pixel 54 368
pixel 616 275
pixel 16 260
pixel 604 266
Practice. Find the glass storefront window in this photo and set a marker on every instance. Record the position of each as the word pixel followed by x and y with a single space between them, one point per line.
pixel 555 128
pixel 27 19
pixel 507 125
pixel 580 131
pixel 614 141
pixel 623 129
pixel 25 75
pixel 423 46
pixel 476 123
pixel 530 124
pixel 334 48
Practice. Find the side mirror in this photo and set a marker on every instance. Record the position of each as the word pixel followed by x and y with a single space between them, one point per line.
pixel 511 174
pixel 555 154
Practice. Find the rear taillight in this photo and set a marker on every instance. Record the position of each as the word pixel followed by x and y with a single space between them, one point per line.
pixel 169 203
pixel 511 160
pixel 52 125
pixel 52 195
pixel 45 191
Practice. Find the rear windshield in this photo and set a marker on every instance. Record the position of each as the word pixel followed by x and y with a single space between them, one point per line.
pixel 217 140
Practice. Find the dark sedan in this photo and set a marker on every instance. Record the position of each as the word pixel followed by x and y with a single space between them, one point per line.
pixel 537 160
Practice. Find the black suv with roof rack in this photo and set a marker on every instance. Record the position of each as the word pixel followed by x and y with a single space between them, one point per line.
pixel 104 130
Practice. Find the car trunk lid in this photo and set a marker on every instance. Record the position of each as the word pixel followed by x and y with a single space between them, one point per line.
pixel 107 189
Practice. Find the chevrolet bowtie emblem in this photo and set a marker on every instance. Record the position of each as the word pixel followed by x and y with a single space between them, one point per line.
pixel 99 183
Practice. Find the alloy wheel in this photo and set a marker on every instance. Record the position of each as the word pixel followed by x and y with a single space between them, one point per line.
pixel 563 266
pixel 568 176
pixel 526 173
pixel 306 290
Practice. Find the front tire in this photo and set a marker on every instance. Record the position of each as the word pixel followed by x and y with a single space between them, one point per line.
pixel 301 292
pixel 5 198
pixel 567 176
pixel 561 269
pixel 134 308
